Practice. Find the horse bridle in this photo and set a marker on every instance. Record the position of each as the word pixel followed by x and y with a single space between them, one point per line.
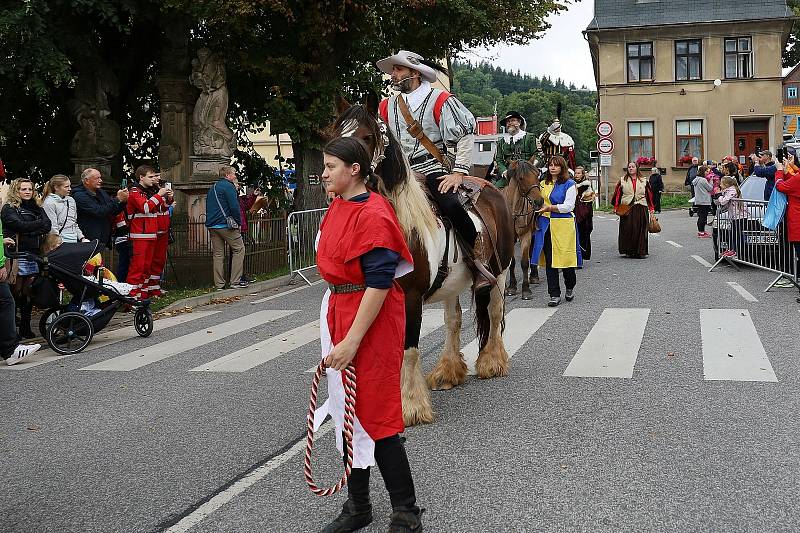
pixel 531 204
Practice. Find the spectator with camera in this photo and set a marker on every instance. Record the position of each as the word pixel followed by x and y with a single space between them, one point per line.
pixel 96 209
pixel 764 167
pixel 224 222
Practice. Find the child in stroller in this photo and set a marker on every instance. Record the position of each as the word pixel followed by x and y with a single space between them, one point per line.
pixel 69 328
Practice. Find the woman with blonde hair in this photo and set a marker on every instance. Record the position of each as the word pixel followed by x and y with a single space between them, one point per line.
pixel 26 223
pixel 633 202
pixel 61 209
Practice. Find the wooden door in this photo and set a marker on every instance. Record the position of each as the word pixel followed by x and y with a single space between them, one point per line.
pixel 749 137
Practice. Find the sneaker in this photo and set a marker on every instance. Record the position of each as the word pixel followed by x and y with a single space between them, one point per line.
pixel 729 253
pixel 700 234
pixel 783 284
pixel 569 296
pixel 241 285
pixel 22 350
pixel 220 288
pixel 704 235
pixel 554 301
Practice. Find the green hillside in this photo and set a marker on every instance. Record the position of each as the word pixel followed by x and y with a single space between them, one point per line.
pixel 483 86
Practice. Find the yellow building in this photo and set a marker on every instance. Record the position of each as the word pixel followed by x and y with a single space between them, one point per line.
pixel 688 78
pixel 269 146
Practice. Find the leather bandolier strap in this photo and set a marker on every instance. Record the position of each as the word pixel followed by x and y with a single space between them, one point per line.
pixel 415 130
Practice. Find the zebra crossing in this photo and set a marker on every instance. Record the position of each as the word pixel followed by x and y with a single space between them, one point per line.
pixel 731 347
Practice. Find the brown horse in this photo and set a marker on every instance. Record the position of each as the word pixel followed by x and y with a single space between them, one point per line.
pixel 524 197
pixel 428 239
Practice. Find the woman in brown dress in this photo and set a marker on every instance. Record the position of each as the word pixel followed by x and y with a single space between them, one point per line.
pixel 633 202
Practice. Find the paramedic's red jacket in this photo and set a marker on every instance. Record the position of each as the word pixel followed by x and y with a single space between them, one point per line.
pixel 143 213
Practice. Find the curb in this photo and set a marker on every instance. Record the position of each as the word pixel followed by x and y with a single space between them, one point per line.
pixel 258 286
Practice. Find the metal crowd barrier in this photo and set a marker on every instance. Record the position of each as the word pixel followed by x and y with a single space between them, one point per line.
pixel 301 230
pixel 740 238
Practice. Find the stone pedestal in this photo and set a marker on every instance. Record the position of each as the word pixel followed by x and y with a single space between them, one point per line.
pixel 205 173
pixel 103 164
pixel 177 102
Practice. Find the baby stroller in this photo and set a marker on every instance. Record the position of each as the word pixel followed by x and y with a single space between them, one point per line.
pixel 69 329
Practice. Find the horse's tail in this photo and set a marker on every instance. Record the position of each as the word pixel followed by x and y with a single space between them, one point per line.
pixel 482 320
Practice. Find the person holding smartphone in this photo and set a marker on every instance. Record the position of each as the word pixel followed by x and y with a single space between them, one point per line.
pixel 787 181
pixel 162 239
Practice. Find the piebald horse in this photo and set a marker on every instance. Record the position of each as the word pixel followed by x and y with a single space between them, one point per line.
pixel 524 197
pixel 427 237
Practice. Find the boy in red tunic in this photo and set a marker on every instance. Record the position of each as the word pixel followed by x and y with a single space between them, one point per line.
pixel 361 250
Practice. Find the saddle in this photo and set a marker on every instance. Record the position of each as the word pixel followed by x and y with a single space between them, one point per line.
pixel 468 194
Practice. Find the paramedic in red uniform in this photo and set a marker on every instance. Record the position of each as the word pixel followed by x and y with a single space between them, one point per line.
pixel 361 251
pixel 162 243
pixel 143 221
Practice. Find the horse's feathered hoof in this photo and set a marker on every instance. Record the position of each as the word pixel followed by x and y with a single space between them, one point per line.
pixel 449 372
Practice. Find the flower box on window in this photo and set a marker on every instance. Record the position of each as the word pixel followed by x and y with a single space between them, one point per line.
pixel 685 161
pixel 646 162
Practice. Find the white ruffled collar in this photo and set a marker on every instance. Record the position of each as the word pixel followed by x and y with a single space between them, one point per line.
pixel 514 138
pixel 415 98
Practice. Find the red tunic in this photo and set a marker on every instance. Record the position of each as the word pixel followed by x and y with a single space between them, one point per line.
pixel 348 231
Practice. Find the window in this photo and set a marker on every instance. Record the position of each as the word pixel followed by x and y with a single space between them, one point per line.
pixel 689 141
pixel 640 61
pixel 738 57
pixel 485 146
pixel 641 140
pixel 688 60
pixel 791 92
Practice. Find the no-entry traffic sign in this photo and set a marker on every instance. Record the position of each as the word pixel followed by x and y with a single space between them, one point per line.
pixel 604 129
pixel 605 146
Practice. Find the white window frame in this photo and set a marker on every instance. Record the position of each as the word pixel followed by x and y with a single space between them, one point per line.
pixel 703 129
pixel 628 136
pixel 751 53
pixel 791 92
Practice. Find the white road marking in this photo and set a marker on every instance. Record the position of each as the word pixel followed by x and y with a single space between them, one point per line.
pixel 103 339
pixel 673 243
pixel 220 499
pixel 261 352
pixel 163 350
pixel 612 346
pixel 732 349
pixel 284 293
pixel 702 261
pixel 432 319
pixel 742 292
pixel 521 324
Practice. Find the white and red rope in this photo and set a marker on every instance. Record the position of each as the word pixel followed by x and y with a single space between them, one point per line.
pixel 349 375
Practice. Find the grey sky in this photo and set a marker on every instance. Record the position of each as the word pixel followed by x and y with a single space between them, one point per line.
pixel 561 52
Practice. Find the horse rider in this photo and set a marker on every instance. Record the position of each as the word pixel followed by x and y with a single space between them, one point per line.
pixel 437 134
pixel 553 141
pixel 515 144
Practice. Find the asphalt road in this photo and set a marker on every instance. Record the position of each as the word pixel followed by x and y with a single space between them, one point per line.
pixel 144 446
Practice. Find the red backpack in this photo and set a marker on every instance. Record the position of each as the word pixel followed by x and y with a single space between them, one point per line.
pixel 383 107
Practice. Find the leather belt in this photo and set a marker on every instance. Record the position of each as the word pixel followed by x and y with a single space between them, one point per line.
pixel 424 158
pixel 346 288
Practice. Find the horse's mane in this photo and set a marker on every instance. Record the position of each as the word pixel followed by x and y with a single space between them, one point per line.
pixel 396 183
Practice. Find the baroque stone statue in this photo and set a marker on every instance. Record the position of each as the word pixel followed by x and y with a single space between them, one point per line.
pixel 98 136
pixel 210 132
